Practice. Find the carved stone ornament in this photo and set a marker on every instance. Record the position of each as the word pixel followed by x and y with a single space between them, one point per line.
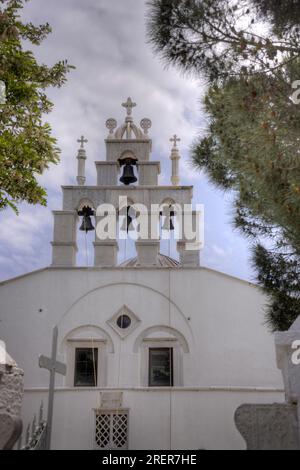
pixel 111 125
pixel 10 431
pixel 268 427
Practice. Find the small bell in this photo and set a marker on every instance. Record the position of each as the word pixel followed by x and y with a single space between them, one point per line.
pixel 127 224
pixel 86 213
pixel 168 222
pixel 128 176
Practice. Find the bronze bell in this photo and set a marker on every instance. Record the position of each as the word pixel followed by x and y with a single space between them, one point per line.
pixel 128 176
pixel 86 213
pixel 168 222
pixel 127 224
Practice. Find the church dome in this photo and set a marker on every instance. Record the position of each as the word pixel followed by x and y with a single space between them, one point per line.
pixel 163 262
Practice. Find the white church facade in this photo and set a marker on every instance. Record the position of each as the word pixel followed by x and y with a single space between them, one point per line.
pixel 159 352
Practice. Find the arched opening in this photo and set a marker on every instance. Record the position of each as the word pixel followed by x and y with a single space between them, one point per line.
pixel 126 230
pixel 128 168
pixel 85 233
pixel 85 349
pixel 161 350
pixel 169 228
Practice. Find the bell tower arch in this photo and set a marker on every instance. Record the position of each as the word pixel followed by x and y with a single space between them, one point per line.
pixel 127 172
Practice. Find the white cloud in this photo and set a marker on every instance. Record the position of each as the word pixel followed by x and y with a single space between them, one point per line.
pixel 105 40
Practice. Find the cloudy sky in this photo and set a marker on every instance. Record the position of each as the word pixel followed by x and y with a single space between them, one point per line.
pixel 106 42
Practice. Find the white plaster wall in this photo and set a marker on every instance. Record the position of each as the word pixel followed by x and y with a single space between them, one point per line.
pixel 220 317
pixel 199 419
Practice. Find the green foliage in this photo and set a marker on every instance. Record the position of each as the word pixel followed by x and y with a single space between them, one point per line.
pixel 249 50
pixel 252 148
pixel 218 38
pixel 279 275
pixel 283 14
pixel 26 144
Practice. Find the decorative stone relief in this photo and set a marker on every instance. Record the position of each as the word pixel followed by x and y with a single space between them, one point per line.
pixel 111 125
pixel 146 124
pixel 268 427
pixel 111 400
pixel 124 321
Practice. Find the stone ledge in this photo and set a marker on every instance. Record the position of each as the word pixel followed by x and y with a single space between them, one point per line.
pixel 228 389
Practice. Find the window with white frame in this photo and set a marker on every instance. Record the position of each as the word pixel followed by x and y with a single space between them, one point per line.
pixel 86 363
pixel 111 429
pixel 160 367
pixel 86 367
pixel 161 362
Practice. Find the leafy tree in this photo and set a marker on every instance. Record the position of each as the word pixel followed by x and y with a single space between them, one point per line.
pixel 252 144
pixel 26 144
pixel 252 149
pixel 279 274
pixel 218 38
pixel 281 13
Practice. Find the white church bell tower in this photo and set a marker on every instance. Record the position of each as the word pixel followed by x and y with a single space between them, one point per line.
pixel 127 171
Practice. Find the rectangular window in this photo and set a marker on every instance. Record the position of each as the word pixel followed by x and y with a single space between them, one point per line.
pixel 86 367
pixel 160 367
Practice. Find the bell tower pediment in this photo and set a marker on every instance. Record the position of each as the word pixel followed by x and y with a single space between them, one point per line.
pixel 128 136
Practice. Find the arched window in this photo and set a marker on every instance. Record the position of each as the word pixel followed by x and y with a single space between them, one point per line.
pixel 170 218
pixel 86 350
pixel 161 352
pixel 86 233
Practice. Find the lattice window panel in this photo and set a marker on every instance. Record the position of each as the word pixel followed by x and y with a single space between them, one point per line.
pixel 111 429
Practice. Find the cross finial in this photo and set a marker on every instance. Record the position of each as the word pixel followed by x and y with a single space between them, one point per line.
pixel 82 141
pixel 175 139
pixel 129 105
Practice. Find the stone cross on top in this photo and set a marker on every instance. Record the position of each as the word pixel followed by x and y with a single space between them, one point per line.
pixel 175 139
pixel 82 141
pixel 129 105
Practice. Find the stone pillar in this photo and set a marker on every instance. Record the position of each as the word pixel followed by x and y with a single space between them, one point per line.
pixel 187 257
pixel 107 173
pixel 189 249
pixel 81 157
pixel 147 246
pixel 175 157
pixel 147 252
pixel 148 173
pixel 284 342
pixel 11 393
pixel 64 246
pixel 106 249
pixel 106 253
pixel 287 345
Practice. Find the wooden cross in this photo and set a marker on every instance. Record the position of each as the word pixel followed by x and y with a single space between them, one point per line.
pixel 54 367
pixel 175 139
pixel 129 105
pixel 82 141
